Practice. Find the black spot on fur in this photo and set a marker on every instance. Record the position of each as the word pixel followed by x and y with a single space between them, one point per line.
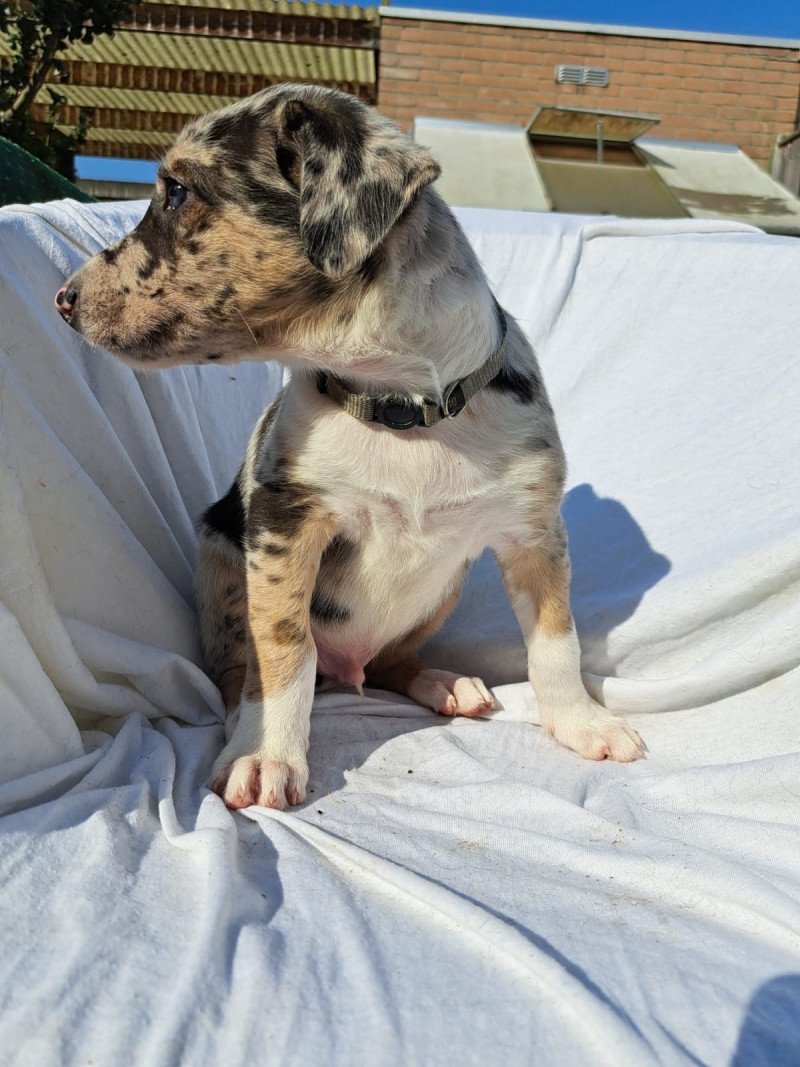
pixel 339 553
pixel 289 164
pixel 235 131
pixel 192 247
pixel 539 444
pixel 156 233
pixel 270 204
pixel 221 298
pixel 278 507
pixel 275 550
pixel 376 208
pixel 158 293
pixel 314 166
pixel 318 288
pixel 226 517
pixel 325 609
pixel 126 290
pixel 372 266
pixel 214 355
pixel 525 388
pixel 163 332
pixel 295 115
pixel 146 270
pixel 110 255
pixel 288 632
pixel 332 577
pixel 323 238
pixel 352 167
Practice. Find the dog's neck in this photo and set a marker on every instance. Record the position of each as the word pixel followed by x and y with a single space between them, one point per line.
pixel 428 321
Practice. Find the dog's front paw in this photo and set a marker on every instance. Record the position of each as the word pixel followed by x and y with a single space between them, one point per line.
pixel 259 779
pixel 595 735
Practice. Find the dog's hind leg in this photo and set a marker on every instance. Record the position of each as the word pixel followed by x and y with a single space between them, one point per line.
pixel 441 691
pixel 221 597
pixel 399 671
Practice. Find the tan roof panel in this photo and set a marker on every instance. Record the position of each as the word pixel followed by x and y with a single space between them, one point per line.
pixel 185 52
pixel 298 8
pixel 137 99
pixel 152 138
pixel 581 123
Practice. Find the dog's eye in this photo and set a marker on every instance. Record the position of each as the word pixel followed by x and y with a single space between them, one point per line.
pixel 176 194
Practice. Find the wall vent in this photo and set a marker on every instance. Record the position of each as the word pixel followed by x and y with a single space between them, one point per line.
pixel 572 74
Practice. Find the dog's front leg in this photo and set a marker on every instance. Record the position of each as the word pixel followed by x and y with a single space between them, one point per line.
pixel 537 580
pixel 264 761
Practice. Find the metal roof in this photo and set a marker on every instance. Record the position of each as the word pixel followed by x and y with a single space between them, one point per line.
pixel 175 59
pixel 285 7
pixel 285 62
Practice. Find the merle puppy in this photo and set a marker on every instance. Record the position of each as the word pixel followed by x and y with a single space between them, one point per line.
pixel 301 226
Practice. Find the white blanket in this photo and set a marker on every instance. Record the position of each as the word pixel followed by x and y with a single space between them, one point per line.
pixel 453 892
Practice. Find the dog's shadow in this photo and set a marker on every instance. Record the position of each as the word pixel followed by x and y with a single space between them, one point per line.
pixel 613 566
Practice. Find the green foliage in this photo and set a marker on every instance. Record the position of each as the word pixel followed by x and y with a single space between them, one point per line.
pixel 37 31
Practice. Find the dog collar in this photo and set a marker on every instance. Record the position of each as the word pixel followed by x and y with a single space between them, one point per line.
pixel 399 412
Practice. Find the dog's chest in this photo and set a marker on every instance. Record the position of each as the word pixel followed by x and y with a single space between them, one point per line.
pixel 417 495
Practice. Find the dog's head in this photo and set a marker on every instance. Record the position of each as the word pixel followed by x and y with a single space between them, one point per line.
pixel 267 214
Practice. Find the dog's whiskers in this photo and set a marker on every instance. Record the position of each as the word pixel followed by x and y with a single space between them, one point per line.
pixel 247 324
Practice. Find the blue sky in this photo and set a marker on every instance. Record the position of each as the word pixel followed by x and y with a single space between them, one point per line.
pixel 766 18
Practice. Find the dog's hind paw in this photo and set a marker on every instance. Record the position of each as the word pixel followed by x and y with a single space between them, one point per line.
pixel 451 694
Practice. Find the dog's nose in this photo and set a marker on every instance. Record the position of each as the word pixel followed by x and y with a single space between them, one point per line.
pixel 66 299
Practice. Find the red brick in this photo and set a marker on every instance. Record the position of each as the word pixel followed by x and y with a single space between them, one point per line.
pixel 703 90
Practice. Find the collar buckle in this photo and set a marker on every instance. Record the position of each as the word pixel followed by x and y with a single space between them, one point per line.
pixel 398 414
pixel 454 401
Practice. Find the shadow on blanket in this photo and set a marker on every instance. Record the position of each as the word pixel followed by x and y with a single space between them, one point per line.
pixel 770 1033
pixel 613 566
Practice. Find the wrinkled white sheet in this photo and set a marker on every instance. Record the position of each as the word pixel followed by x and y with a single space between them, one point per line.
pixel 452 892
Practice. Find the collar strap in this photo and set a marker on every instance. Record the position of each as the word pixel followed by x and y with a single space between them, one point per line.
pixel 399 412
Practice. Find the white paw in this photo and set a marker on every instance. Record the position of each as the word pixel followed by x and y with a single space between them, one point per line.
pixel 450 694
pixel 259 779
pixel 596 735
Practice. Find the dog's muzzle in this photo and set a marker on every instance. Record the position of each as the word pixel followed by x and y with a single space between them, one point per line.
pixel 66 299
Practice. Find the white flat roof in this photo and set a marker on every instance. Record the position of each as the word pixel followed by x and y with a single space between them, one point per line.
pixel 492 165
pixel 584 27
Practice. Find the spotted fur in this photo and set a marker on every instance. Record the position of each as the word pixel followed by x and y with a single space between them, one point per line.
pixel 309 232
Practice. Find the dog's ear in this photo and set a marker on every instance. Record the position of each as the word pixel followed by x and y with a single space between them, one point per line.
pixel 356 174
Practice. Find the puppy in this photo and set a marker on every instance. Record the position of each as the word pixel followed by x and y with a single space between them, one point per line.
pixel 299 225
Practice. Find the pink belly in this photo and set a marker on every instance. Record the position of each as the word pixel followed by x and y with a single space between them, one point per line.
pixel 345 666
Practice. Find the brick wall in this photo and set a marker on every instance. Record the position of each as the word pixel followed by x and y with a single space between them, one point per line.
pixel 703 91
